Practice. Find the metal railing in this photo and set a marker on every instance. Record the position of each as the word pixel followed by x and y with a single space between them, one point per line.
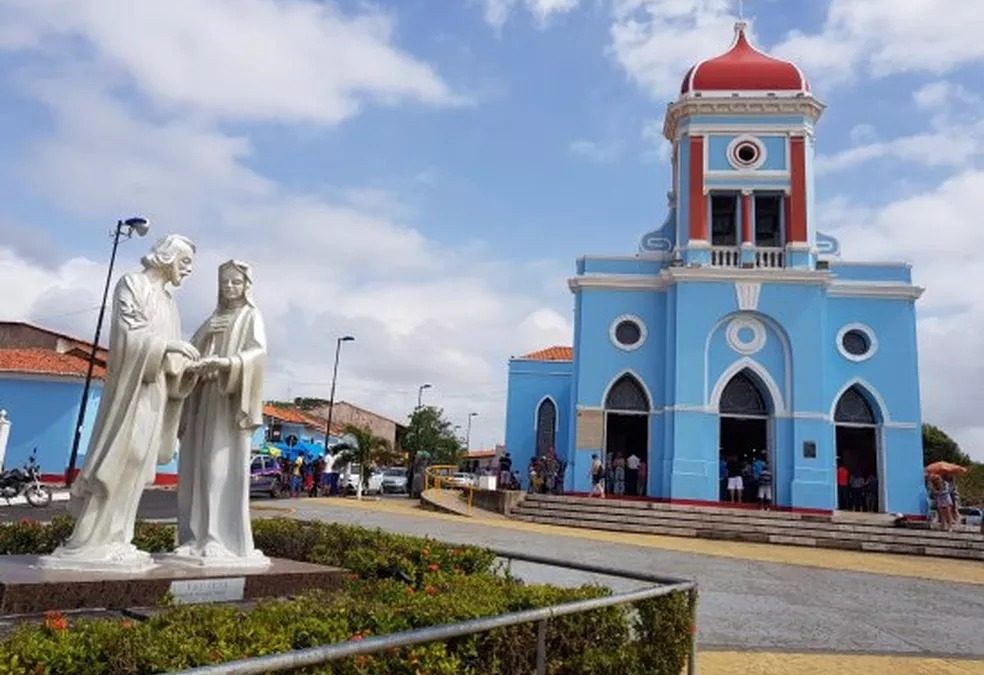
pixel 725 256
pixel 313 656
pixel 435 476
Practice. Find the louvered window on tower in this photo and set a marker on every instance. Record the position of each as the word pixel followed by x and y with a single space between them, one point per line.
pixel 768 226
pixel 724 226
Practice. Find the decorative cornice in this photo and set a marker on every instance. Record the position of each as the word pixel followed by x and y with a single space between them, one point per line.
pixel 622 282
pixel 764 275
pixel 874 289
pixel 761 105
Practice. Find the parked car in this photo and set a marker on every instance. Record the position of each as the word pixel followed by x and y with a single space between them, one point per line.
pixel 971 515
pixel 374 485
pixel 460 479
pixel 265 476
pixel 395 480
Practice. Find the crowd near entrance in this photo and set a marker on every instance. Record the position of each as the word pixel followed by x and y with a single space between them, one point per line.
pixel 626 438
pixel 745 467
pixel 858 471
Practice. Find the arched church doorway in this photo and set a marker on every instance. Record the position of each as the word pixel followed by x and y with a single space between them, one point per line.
pixel 859 471
pixel 745 463
pixel 546 427
pixel 626 438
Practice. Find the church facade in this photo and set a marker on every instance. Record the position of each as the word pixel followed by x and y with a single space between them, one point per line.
pixel 737 335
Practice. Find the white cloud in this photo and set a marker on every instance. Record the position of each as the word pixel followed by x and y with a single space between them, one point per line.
pixel 234 59
pixel 497 12
pixel 655 41
pixel 883 37
pixel 602 152
pixel 939 232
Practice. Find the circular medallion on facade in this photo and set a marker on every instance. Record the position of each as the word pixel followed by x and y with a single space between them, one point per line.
pixel 746 152
pixel 856 342
pixel 746 335
pixel 627 332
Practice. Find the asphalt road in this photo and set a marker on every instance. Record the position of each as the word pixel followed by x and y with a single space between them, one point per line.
pixel 155 505
pixel 744 604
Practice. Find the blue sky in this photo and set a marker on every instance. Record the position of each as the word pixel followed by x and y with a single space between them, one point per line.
pixel 423 173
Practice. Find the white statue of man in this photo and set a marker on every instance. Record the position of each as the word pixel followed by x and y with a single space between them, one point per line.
pixel 217 427
pixel 136 426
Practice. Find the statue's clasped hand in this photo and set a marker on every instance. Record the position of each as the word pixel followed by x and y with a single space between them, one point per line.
pixel 210 366
pixel 186 349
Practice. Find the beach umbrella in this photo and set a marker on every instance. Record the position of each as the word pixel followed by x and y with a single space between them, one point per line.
pixel 945 469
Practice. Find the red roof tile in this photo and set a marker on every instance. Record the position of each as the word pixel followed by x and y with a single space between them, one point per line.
pixel 46 362
pixel 555 353
pixel 295 416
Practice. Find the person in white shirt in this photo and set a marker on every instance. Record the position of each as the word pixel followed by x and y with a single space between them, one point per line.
pixel 632 475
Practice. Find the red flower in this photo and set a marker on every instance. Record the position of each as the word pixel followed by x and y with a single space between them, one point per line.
pixel 433 567
pixel 55 621
pixel 430 590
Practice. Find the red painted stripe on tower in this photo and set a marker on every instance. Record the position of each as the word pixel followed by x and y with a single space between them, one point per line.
pixel 747 237
pixel 698 209
pixel 797 179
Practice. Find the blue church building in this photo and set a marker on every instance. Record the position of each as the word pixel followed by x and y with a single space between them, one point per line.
pixel 737 335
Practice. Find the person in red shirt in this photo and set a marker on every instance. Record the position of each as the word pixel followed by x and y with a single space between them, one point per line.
pixel 842 487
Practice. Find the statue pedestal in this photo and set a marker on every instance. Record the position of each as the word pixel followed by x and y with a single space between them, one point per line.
pixel 26 587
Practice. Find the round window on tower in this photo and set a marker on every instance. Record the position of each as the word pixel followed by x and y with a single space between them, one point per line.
pixel 856 342
pixel 746 152
pixel 628 332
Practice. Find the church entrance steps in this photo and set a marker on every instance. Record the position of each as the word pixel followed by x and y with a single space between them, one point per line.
pixel 770 527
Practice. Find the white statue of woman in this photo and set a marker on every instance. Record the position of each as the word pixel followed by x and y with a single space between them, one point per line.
pixel 217 426
pixel 139 410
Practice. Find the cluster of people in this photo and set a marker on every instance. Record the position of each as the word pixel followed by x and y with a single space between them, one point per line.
pixel 310 476
pixel 546 473
pixel 945 498
pixel 856 491
pixel 618 475
pixel 746 479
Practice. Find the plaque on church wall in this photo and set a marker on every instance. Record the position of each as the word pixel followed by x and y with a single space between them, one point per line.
pixel 809 449
pixel 590 429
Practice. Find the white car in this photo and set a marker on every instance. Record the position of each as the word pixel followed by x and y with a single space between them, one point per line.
pixel 970 515
pixel 373 486
pixel 460 480
pixel 395 480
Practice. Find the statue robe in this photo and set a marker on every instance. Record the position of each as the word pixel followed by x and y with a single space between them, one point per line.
pixel 135 428
pixel 216 431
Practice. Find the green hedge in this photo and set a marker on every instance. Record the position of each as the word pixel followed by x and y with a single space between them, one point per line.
pixel 440 584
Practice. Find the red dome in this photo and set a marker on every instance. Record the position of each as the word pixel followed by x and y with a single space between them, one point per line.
pixel 744 68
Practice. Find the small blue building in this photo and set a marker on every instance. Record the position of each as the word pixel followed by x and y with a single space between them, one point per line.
pixel 736 335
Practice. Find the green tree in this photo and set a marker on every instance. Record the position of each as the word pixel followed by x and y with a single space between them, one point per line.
pixel 366 449
pixel 429 431
pixel 971 486
pixel 938 446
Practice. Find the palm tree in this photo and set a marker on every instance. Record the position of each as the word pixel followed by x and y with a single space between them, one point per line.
pixel 364 448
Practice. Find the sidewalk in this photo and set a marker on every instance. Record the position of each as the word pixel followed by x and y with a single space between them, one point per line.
pixel 56 496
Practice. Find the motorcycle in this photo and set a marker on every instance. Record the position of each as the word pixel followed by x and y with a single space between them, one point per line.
pixel 26 482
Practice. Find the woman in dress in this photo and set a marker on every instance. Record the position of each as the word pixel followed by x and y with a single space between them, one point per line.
pixel 218 423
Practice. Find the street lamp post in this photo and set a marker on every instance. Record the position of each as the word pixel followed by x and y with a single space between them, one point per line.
pixel 130 225
pixel 334 377
pixel 468 433
pixel 420 394
pixel 416 435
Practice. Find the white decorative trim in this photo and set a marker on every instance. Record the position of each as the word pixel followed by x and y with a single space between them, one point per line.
pixel 746 347
pixel 882 411
pixel 869 334
pixel 643 332
pixel 805 105
pixel 872 289
pixel 625 282
pixel 618 376
pixel 778 406
pixel 787 359
pixel 746 172
pixel 747 139
pixel 764 274
pixel 901 425
pixel 748 294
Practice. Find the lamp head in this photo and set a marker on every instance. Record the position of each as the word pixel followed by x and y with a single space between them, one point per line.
pixel 425 386
pixel 139 225
pixel 346 338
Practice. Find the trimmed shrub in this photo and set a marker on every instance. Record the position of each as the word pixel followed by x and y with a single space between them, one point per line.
pixel 399 583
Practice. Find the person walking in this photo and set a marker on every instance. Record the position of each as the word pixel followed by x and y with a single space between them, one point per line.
pixel 632 475
pixel 765 487
pixel 597 477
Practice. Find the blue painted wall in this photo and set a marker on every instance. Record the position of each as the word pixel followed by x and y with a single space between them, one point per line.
pixel 42 412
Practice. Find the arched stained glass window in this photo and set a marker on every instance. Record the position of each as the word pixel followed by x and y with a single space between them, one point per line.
pixel 742 396
pixel 627 394
pixel 546 425
pixel 853 408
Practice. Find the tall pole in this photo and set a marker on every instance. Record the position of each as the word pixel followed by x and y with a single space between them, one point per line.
pixel 468 433
pixel 74 456
pixel 334 378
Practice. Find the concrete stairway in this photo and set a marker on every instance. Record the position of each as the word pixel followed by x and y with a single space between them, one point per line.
pixel 767 527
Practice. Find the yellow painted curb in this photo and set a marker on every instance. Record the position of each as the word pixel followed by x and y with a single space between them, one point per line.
pixel 922 567
pixel 771 663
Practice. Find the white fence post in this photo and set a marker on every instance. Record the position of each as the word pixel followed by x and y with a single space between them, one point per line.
pixel 4 435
